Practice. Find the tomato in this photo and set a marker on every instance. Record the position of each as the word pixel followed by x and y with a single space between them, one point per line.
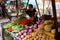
pixel 9 30
pixel 24 21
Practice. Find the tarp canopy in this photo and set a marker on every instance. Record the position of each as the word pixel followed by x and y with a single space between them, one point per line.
pixel 55 0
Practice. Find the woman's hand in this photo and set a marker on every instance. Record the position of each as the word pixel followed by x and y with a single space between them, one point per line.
pixel 31 19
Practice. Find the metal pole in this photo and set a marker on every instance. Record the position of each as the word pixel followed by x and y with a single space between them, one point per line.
pixel 54 10
pixel 48 7
pixel 27 4
pixel 43 6
pixel 37 7
pixel 4 9
pixel 54 16
pixel 17 7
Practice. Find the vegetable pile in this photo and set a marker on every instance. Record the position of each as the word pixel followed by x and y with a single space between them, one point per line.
pixel 11 27
pixel 33 32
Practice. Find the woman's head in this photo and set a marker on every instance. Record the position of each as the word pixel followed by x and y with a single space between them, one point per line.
pixel 30 7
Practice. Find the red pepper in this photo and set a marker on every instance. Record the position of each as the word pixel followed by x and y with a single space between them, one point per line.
pixel 10 30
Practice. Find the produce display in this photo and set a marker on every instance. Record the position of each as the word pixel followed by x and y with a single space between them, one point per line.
pixel 43 32
pixel 37 31
pixel 24 27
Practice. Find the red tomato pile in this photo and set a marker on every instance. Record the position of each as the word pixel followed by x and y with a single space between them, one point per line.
pixel 24 21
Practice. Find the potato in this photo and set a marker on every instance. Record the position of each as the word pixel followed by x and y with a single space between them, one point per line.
pixel 43 36
pixel 28 36
pixel 30 39
pixel 41 26
pixel 34 38
pixel 42 39
pixel 25 38
pixel 40 36
pixel 37 37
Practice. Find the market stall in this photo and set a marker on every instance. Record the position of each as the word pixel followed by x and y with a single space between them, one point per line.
pixel 22 28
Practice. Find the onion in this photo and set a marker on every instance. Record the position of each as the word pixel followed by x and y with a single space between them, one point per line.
pixel 25 34
pixel 19 36
pixel 26 26
pixel 25 30
pixel 31 26
pixel 35 25
pixel 20 39
pixel 22 36
pixel 37 22
pixel 30 30
pixel 28 33
pixel 16 34
pixel 20 33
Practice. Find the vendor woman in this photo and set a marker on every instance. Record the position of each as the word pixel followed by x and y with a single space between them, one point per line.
pixel 31 12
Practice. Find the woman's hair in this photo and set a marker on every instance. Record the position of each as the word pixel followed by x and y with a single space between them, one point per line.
pixel 30 5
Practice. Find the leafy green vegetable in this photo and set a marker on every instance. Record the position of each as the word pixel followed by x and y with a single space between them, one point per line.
pixel 17 28
pixel 9 25
pixel 20 18
pixel 6 32
pixel 8 38
pixel 7 35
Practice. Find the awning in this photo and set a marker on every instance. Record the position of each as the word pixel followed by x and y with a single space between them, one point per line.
pixel 55 0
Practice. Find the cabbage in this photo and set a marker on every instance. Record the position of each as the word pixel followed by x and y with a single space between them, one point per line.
pixel 17 28
pixel 9 25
